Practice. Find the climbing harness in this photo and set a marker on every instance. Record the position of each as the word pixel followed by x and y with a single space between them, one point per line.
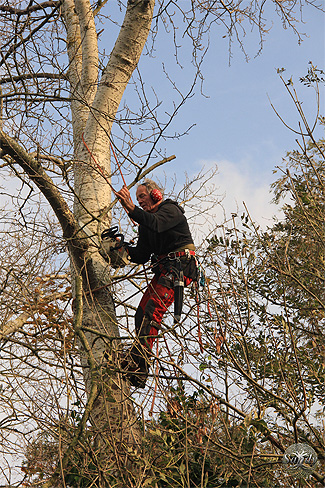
pixel 173 265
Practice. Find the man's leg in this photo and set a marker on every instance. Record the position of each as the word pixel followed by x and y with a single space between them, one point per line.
pixel 153 305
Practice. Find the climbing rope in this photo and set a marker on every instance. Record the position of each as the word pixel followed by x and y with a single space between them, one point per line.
pixel 102 171
pixel 201 277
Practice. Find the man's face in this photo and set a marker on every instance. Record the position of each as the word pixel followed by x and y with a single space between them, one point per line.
pixel 144 198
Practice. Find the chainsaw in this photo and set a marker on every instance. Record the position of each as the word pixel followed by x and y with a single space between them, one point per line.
pixel 113 248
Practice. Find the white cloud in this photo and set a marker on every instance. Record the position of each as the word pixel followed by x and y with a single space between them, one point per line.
pixel 244 184
pixel 234 184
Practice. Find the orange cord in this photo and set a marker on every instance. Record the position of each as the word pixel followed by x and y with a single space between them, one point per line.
pixel 118 164
pixel 97 164
pixel 103 174
pixel 198 319
pixel 208 301
pixel 156 383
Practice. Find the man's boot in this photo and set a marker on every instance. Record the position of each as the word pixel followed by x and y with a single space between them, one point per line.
pixel 136 365
pixel 135 362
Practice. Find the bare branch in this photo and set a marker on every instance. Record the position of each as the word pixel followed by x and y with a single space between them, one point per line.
pixel 30 9
pixel 37 174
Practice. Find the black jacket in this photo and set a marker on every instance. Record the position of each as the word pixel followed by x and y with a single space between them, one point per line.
pixel 160 232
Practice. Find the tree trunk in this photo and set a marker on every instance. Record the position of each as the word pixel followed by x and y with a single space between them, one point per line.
pixel 94 105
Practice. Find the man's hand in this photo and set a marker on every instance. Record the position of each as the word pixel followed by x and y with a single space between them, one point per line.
pixel 125 198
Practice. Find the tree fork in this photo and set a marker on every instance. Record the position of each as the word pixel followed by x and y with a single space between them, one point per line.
pixel 37 174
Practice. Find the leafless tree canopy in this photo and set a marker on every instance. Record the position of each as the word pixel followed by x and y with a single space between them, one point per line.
pixel 241 378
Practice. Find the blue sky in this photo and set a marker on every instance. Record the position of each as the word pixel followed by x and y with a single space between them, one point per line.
pixel 235 127
pixel 237 121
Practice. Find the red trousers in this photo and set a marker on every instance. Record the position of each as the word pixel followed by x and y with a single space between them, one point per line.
pixel 153 305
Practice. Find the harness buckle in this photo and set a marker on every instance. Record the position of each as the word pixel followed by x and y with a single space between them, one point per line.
pixel 172 255
pixel 178 254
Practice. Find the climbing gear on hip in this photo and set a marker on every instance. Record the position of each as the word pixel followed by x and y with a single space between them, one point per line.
pixel 180 267
pixel 178 295
pixel 187 253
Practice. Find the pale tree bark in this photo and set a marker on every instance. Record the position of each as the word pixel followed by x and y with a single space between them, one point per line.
pixel 93 113
pixel 93 107
pixel 94 101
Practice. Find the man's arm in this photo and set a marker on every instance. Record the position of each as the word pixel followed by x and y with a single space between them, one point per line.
pixel 125 199
pixel 167 217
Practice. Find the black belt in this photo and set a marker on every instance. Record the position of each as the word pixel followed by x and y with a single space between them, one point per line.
pixel 177 254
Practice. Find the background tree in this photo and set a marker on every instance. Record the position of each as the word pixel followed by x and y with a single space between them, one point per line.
pixel 60 98
pixel 271 311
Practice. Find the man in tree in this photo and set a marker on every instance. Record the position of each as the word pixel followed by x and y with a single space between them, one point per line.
pixel 163 234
